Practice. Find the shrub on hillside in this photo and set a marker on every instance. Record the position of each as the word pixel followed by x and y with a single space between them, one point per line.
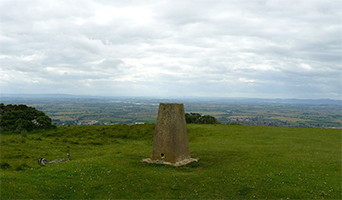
pixel 21 118
pixel 196 118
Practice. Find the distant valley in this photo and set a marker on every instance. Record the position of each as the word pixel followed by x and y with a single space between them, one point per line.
pixel 93 110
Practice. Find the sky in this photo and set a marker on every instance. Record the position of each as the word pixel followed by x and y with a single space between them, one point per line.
pixel 172 48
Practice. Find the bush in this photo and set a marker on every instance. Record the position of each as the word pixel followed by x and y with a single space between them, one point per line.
pixel 196 118
pixel 16 118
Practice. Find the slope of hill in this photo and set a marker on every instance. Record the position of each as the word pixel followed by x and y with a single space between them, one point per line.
pixel 239 162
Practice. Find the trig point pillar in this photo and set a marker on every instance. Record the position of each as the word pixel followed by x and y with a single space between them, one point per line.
pixel 170 141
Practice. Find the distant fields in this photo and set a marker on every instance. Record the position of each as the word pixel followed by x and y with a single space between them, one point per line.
pixel 238 162
pixel 260 112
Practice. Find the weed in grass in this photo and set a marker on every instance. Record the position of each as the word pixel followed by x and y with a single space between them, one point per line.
pixel 4 165
pixel 22 167
pixel 24 133
pixel 245 190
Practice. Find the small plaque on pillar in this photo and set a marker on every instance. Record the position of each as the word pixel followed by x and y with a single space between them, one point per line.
pixel 170 141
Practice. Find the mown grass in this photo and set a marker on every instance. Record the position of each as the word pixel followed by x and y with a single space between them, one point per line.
pixel 239 162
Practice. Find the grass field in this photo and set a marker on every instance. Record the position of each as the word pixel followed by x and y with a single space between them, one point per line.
pixel 236 162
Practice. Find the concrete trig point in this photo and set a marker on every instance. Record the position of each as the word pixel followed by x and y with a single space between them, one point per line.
pixel 170 141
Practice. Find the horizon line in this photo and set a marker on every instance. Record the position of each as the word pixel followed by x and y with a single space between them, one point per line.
pixel 154 97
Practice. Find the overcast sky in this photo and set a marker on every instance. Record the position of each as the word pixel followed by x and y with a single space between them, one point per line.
pixel 172 48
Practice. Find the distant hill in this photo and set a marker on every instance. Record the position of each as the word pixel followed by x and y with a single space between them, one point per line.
pixel 288 101
pixel 216 99
pixel 44 96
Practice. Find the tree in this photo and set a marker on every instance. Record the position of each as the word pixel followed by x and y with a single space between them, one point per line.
pixel 192 118
pixel 196 118
pixel 207 119
pixel 17 118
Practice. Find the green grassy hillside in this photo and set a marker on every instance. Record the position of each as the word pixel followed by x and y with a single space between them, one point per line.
pixel 240 162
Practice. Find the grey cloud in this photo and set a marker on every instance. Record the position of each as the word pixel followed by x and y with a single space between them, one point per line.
pixel 224 48
pixel 110 63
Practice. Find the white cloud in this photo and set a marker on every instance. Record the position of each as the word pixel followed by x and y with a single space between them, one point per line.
pixel 283 49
